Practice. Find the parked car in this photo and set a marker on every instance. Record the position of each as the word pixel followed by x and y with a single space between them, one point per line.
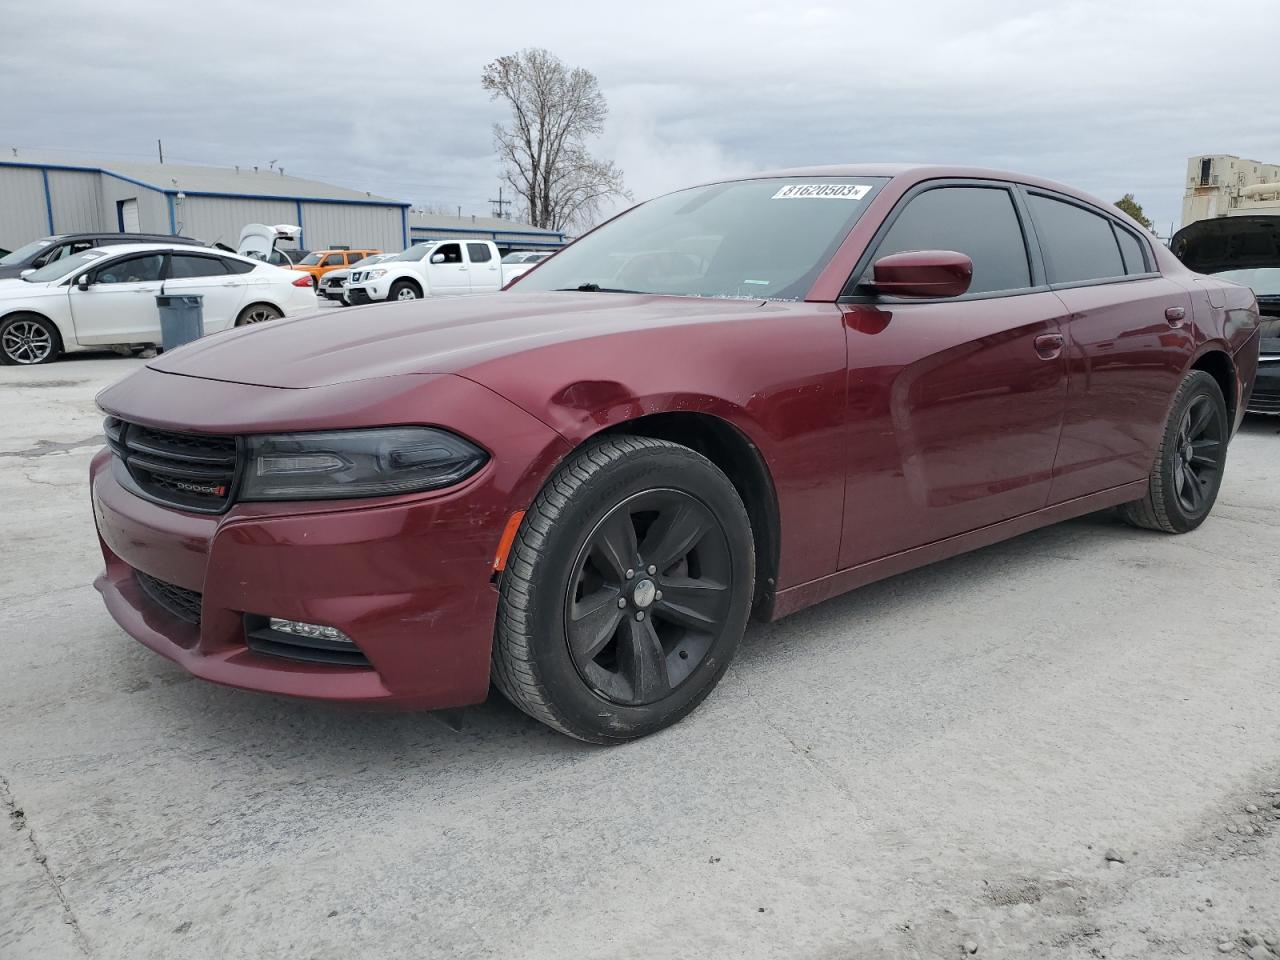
pixel 430 270
pixel 583 490
pixel 104 297
pixel 1244 250
pixel 320 262
pixel 520 262
pixel 333 284
pixel 46 250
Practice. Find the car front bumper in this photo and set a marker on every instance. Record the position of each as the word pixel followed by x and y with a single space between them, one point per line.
pixel 369 291
pixel 409 579
pixel 1266 387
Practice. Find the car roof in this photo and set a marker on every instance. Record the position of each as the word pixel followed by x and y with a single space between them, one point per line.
pixel 100 234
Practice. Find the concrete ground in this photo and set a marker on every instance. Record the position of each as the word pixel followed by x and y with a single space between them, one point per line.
pixel 1063 746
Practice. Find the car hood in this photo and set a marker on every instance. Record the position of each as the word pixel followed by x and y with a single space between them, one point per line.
pixel 14 271
pixel 436 335
pixel 1229 243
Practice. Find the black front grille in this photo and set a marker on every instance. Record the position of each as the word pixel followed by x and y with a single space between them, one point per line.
pixel 192 471
pixel 182 603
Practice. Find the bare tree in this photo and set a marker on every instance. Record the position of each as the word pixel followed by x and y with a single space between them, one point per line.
pixel 554 110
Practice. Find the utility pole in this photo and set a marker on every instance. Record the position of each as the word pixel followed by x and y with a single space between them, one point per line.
pixel 499 205
pixel 160 148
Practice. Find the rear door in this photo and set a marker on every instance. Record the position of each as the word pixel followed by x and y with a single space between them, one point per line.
pixel 450 275
pixel 486 274
pixel 1129 337
pixel 207 276
pixel 955 405
pixel 120 304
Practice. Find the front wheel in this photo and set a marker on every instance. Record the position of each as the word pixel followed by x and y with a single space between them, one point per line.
pixel 26 339
pixel 404 290
pixel 1187 473
pixel 626 591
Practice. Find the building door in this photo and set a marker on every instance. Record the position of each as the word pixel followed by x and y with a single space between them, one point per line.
pixel 127 216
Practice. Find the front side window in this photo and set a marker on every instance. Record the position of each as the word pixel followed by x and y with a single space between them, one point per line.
pixel 980 222
pixel 333 260
pixel 765 239
pixel 131 270
pixel 1078 245
pixel 310 260
pixel 479 252
pixel 185 267
pixel 451 252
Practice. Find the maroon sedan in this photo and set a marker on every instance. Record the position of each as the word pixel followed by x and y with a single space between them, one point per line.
pixel 738 399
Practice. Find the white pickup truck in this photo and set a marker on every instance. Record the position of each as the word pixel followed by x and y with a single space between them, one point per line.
pixel 438 269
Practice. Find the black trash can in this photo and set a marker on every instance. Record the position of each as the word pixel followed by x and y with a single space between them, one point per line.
pixel 181 319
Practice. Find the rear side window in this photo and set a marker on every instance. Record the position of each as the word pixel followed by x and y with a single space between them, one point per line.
pixel 185 267
pixel 1077 245
pixel 479 252
pixel 237 266
pixel 980 222
pixel 1131 250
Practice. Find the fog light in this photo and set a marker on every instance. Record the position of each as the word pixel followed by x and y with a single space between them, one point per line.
pixel 313 631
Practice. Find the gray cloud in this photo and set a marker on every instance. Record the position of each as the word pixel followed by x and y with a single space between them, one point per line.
pixel 381 96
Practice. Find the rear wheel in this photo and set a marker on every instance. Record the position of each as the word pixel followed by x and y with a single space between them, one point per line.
pixel 1187 473
pixel 626 591
pixel 26 339
pixel 257 313
pixel 404 290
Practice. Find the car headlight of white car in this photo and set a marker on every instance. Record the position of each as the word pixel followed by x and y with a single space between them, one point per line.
pixel 375 274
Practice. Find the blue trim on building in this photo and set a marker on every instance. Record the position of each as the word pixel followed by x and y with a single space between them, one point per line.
pixel 545 236
pixel 48 200
pixel 302 244
pixel 173 217
pixel 404 227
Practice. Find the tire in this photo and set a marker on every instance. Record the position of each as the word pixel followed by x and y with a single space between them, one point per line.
pixel 1187 473
pixel 555 655
pixel 404 290
pixel 257 313
pixel 27 339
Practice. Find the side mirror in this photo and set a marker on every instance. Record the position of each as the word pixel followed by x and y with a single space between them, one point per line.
pixel 437 258
pixel 27 272
pixel 922 273
pixel 82 282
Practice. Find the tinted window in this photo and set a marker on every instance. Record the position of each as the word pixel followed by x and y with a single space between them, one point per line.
pixel 980 222
pixel 183 267
pixel 1131 249
pixel 1078 245
pixel 333 260
pixel 451 251
pixel 237 266
pixel 479 252
pixel 131 270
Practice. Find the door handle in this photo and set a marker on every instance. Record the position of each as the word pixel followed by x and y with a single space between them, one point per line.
pixel 1049 345
pixel 1175 315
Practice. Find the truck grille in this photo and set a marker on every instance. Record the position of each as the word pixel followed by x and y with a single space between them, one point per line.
pixel 190 471
pixel 182 603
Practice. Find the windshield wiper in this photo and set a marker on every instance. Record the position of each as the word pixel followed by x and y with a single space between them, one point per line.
pixel 593 288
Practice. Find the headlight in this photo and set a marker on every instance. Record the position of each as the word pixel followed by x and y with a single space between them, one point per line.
pixel 356 463
pixel 374 274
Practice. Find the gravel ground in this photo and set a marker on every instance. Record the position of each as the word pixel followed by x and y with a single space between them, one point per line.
pixel 1061 746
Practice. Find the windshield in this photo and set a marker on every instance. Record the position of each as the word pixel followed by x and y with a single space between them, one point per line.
pixel 311 259
pixel 67 265
pixel 1263 281
pixel 22 253
pixel 759 239
pixel 416 252
pixel 367 261
pixel 515 258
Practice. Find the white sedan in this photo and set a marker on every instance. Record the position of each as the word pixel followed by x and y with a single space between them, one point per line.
pixel 105 297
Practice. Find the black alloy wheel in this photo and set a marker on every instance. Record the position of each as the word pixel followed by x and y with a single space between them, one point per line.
pixel 1198 455
pixel 626 591
pixel 649 595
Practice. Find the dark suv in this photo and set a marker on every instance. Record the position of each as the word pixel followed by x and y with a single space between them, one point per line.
pixel 37 253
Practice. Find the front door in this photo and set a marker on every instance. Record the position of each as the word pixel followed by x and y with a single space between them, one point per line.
pixel 954 405
pixel 447 271
pixel 222 293
pixel 119 305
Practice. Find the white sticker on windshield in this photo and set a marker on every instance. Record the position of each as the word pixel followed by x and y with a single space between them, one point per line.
pixel 823 191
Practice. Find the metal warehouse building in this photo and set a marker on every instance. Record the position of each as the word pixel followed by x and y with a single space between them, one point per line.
pixel 506 234
pixel 39 197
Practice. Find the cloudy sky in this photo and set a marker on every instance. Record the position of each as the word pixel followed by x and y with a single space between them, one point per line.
pixel 1109 96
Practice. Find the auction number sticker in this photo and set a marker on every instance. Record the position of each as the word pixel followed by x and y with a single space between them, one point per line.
pixel 823 191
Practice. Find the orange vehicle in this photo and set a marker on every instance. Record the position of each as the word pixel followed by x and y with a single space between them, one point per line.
pixel 319 262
